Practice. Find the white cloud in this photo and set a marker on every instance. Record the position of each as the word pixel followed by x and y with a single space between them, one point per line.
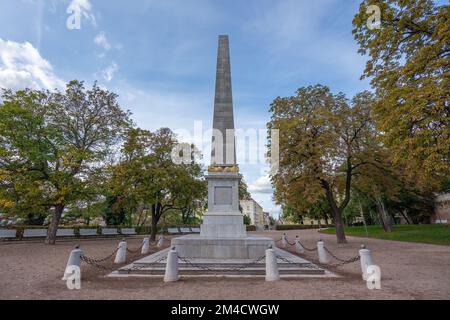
pixel 108 72
pixel 21 66
pixel 102 41
pixel 84 7
pixel 261 185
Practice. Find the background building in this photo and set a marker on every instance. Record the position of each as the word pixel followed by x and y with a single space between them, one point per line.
pixel 441 209
pixel 254 211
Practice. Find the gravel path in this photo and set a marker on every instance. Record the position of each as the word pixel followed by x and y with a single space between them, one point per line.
pixel 409 271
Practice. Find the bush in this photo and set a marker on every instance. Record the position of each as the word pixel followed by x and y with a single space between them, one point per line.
pixel 299 227
pixel 251 228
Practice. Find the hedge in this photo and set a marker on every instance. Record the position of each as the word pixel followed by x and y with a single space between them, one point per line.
pixel 251 228
pixel 300 227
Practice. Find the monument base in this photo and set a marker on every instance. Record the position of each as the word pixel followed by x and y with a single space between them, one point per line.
pixel 223 225
pixel 194 246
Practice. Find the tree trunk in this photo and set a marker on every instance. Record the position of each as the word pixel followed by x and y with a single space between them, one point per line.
pixel 336 212
pixel 340 233
pixel 405 215
pixel 156 215
pixel 53 228
pixel 385 219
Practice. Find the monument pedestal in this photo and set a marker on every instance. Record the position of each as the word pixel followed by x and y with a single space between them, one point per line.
pixel 223 233
pixel 194 246
pixel 223 226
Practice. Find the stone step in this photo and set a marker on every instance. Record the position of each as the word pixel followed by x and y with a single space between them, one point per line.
pixel 155 265
pixel 220 271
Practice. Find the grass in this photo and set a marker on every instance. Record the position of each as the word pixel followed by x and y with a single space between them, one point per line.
pixel 424 233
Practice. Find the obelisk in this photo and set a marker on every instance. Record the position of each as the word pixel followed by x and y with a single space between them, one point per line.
pixel 223 220
pixel 223 151
pixel 223 234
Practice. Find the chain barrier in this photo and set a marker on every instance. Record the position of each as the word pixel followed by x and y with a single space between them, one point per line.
pixel 306 248
pixel 306 265
pixel 137 250
pixel 95 263
pixel 143 266
pixel 343 261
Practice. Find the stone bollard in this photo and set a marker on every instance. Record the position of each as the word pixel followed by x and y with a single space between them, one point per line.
pixel 160 242
pixel 272 273
pixel 366 260
pixel 74 260
pixel 284 241
pixel 145 246
pixel 298 246
pixel 121 255
pixel 171 274
pixel 323 255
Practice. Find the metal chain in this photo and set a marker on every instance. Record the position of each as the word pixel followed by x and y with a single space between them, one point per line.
pixel 95 263
pixel 306 248
pixel 103 259
pixel 143 266
pixel 343 261
pixel 229 269
pixel 309 265
pixel 137 250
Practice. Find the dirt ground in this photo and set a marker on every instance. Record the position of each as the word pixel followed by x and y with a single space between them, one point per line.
pixel 409 271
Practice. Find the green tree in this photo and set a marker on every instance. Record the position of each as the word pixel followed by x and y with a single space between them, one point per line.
pixel 52 142
pixel 409 66
pixel 324 142
pixel 148 175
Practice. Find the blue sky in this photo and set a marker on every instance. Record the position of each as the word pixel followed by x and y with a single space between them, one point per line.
pixel 160 56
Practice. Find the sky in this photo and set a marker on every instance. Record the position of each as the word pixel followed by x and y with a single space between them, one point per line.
pixel 159 56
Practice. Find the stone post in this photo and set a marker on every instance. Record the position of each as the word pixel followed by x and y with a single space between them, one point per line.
pixel 145 246
pixel 284 241
pixel 160 242
pixel 121 255
pixel 323 255
pixel 366 260
pixel 74 260
pixel 272 273
pixel 298 246
pixel 171 274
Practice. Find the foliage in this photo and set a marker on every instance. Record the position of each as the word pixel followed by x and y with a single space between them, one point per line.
pixel 147 177
pixel 325 141
pixel 247 220
pixel 282 227
pixel 409 66
pixel 52 144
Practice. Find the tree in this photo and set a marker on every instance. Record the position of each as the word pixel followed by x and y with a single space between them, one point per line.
pixel 148 175
pixel 324 142
pixel 52 142
pixel 409 66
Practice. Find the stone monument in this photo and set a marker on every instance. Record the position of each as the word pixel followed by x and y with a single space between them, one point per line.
pixel 223 233
pixel 222 247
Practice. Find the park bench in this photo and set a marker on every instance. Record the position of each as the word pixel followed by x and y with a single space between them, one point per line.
pixel 173 230
pixel 6 233
pixel 65 233
pixel 195 230
pixel 88 232
pixel 128 231
pixel 109 232
pixel 34 233
pixel 185 230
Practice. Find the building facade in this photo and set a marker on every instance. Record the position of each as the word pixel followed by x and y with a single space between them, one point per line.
pixel 254 211
pixel 441 209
